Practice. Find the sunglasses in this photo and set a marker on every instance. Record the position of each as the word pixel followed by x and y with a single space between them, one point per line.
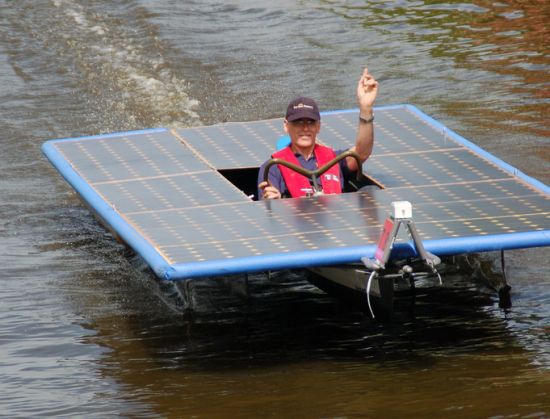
pixel 304 122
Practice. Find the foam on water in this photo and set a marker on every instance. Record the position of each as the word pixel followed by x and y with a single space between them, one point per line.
pixel 145 86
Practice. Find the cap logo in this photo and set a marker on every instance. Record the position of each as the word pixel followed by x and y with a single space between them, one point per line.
pixel 301 105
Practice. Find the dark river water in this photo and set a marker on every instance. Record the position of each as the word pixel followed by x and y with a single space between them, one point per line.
pixel 86 330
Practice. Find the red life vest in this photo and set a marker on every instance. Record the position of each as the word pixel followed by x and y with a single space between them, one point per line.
pixel 297 184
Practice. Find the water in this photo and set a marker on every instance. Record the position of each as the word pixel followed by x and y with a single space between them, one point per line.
pixel 86 331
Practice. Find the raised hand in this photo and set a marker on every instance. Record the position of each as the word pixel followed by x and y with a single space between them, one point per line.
pixel 367 89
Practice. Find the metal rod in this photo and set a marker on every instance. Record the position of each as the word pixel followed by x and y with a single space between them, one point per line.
pixel 503 266
pixel 369 282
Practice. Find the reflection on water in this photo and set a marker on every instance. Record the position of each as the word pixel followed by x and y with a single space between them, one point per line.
pixel 287 343
pixel 508 39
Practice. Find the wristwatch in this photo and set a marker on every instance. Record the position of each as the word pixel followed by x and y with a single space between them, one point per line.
pixel 366 121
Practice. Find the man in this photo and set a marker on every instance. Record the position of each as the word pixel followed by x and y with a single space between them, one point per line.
pixel 302 124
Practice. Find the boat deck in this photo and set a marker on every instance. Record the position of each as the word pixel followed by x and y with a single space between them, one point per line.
pixel 161 192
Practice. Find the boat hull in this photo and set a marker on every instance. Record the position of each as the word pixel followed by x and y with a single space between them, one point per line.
pixel 350 283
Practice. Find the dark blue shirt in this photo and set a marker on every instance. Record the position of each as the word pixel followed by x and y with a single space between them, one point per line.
pixel 276 177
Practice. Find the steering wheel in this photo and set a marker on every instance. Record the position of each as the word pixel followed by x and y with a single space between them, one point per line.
pixel 314 174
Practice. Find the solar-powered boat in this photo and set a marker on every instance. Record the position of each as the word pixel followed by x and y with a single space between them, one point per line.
pixel 185 201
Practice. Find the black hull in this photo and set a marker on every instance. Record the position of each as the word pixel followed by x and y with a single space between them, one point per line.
pixel 381 300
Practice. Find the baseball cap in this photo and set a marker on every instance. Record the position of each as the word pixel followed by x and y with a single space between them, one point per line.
pixel 302 107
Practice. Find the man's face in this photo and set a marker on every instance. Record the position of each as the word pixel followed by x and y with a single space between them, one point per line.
pixel 303 132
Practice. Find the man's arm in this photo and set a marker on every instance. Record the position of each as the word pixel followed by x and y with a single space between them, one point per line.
pixel 367 89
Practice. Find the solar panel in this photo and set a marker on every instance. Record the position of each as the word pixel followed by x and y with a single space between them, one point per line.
pixel 162 192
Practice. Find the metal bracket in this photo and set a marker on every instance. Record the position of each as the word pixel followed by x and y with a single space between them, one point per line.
pixel 402 215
